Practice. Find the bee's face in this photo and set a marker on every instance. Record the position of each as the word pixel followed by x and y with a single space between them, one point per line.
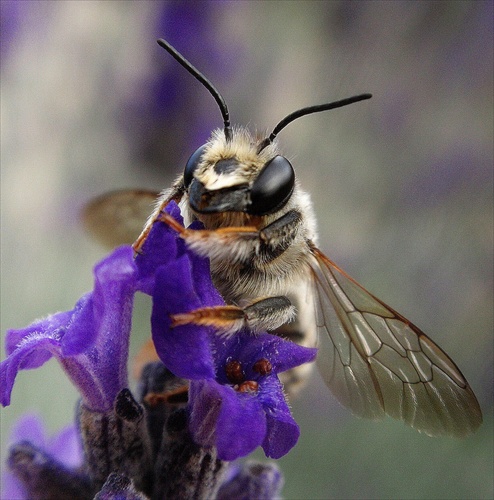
pixel 232 176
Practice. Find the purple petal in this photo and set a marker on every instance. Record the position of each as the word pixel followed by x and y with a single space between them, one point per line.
pixel 285 355
pixel 112 303
pixel 12 487
pixel 30 428
pixel 248 348
pixel 203 284
pixel 184 350
pixel 90 342
pixel 220 416
pixel 95 347
pixel 107 313
pixel 66 447
pixel 20 359
pixel 53 327
pixel 282 430
pixel 162 245
pixel 82 316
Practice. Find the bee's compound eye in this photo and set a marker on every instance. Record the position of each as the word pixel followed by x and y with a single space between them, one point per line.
pixel 192 164
pixel 273 186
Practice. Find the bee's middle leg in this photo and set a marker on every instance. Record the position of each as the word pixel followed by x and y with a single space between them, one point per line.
pixel 262 315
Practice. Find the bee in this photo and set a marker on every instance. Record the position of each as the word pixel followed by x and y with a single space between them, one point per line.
pixel 260 236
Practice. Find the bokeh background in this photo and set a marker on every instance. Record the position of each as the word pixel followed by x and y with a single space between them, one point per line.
pixel 402 184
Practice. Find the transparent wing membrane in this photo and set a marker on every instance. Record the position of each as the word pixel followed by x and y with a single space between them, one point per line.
pixel 376 362
pixel 117 218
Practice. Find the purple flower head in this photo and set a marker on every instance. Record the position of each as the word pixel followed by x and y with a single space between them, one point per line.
pixel 236 399
pixel 90 341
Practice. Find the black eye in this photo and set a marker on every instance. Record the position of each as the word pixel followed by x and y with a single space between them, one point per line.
pixel 192 164
pixel 273 186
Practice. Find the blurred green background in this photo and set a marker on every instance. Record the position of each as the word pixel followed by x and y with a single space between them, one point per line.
pixel 402 184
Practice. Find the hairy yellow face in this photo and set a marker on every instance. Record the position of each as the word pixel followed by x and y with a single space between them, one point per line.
pixel 243 147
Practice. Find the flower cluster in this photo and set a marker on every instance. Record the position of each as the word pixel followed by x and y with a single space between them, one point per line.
pixel 167 444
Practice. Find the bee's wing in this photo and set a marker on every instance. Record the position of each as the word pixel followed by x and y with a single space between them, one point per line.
pixel 117 218
pixel 377 362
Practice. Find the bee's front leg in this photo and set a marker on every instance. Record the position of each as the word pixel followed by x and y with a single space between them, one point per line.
pixel 244 244
pixel 175 193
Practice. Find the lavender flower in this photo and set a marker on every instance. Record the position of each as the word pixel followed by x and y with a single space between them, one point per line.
pixel 236 400
pixel 163 445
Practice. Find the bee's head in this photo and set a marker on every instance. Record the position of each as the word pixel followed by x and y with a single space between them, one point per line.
pixel 234 173
pixel 234 176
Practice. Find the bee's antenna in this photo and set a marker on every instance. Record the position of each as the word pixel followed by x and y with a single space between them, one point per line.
pixel 307 111
pixel 199 76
